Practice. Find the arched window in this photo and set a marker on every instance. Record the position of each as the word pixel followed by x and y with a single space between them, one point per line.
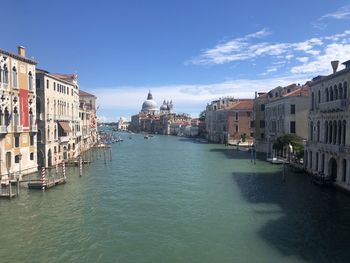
pixel 322 163
pixel 30 81
pixel 7 117
pixel 335 92
pixel 327 95
pixel 326 132
pixel 335 132
pixel 344 170
pixel 316 162
pixel 330 132
pixel 339 133
pixel 345 91
pixel 319 96
pixel 15 116
pixel 311 131
pixel 1 117
pixel 331 94
pixel 14 77
pixel 5 73
pixel 48 134
pixel 318 131
pixel 340 90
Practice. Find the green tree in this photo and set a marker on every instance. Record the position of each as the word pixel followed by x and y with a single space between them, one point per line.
pixel 294 140
pixel 202 115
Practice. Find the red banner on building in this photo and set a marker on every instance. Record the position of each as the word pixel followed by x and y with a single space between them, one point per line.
pixel 23 98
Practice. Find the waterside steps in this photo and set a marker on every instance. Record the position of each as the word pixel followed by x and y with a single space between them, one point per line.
pixel 48 183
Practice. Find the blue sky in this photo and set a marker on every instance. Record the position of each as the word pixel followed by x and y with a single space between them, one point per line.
pixel 190 51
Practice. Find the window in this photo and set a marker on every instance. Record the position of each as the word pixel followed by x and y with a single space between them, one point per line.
pixel 16 141
pixel 262 135
pixel 292 109
pixel 17 158
pixel 31 140
pixel 262 123
pixel 5 76
pixel 262 107
pixel 37 83
pixel 30 79
pixel 14 77
pixel 31 156
pixel 292 127
pixel 236 128
pixel 236 115
pixel 47 83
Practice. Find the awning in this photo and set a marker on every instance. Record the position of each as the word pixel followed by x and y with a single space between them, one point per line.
pixel 65 126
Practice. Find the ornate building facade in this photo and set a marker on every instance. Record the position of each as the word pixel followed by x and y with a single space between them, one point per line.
pixel 18 127
pixel 328 147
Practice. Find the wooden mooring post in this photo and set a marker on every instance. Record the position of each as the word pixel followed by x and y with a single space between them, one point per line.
pixel 80 166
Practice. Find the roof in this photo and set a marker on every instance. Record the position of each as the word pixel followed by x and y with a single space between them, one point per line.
pixel 85 94
pixel 66 77
pixel 55 76
pixel 244 104
pixel 303 91
pixel 13 55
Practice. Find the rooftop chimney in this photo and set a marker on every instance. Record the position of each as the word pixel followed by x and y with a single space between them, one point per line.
pixel 335 64
pixel 21 51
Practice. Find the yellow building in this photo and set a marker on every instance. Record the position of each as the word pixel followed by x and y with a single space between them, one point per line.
pixel 18 151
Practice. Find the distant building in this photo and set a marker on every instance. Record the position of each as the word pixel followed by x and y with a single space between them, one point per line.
pixel 328 146
pixel 88 121
pixel 122 125
pixel 18 128
pixel 259 104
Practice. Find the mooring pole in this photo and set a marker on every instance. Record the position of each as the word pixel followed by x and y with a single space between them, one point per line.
pixel 104 154
pixel 80 166
pixel 10 189
pixel 17 187
pixel 110 153
pixel 64 169
pixel 43 180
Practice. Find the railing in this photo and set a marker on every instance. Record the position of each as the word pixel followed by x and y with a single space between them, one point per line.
pixel 335 105
pixel 63 139
pixel 3 129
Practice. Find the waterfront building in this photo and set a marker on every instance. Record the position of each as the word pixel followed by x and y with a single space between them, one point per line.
pixel 328 147
pixel 88 121
pixel 227 119
pixel 260 141
pixel 18 128
pixel 122 125
pixel 58 117
pixel 239 120
pixel 286 111
pixel 160 121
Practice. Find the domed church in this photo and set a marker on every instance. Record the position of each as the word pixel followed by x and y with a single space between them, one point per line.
pixel 149 106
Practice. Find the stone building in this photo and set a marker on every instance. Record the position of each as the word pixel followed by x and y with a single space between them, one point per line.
pixel 17 114
pixel 328 146
pixel 227 119
pixel 88 121
pixel 58 117
pixel 286 111
pixel 259 104
pixel 239 120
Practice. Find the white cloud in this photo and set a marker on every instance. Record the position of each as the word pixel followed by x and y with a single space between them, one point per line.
pixel 340 14
pixel 189 98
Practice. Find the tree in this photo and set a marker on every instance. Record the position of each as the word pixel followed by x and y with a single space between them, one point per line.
pixel 202 115
pixel 296 142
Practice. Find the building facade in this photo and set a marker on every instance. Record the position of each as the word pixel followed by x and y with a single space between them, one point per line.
pixel 328 147
pixel 17 114
pixel 286 112
pixel 58 117
pixel 259 104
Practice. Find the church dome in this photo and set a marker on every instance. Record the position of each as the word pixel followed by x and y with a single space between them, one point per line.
pixel 149 105
pixel 164 107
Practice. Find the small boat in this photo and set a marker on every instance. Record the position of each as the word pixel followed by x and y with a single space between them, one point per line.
pixel 275 160
pixel 146 137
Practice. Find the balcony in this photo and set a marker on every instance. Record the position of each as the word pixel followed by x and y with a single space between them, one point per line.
pixel 63 139
pixel 3 129
pixel 62 118
pixel 17 128
pixel 335 105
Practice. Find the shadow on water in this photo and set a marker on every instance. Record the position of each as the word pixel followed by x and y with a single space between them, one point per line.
pixel 232 153
pixel 314 222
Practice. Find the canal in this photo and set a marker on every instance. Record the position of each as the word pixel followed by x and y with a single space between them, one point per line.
pixel 169 199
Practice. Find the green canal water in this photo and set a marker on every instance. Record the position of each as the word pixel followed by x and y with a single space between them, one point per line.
pixel 169 199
